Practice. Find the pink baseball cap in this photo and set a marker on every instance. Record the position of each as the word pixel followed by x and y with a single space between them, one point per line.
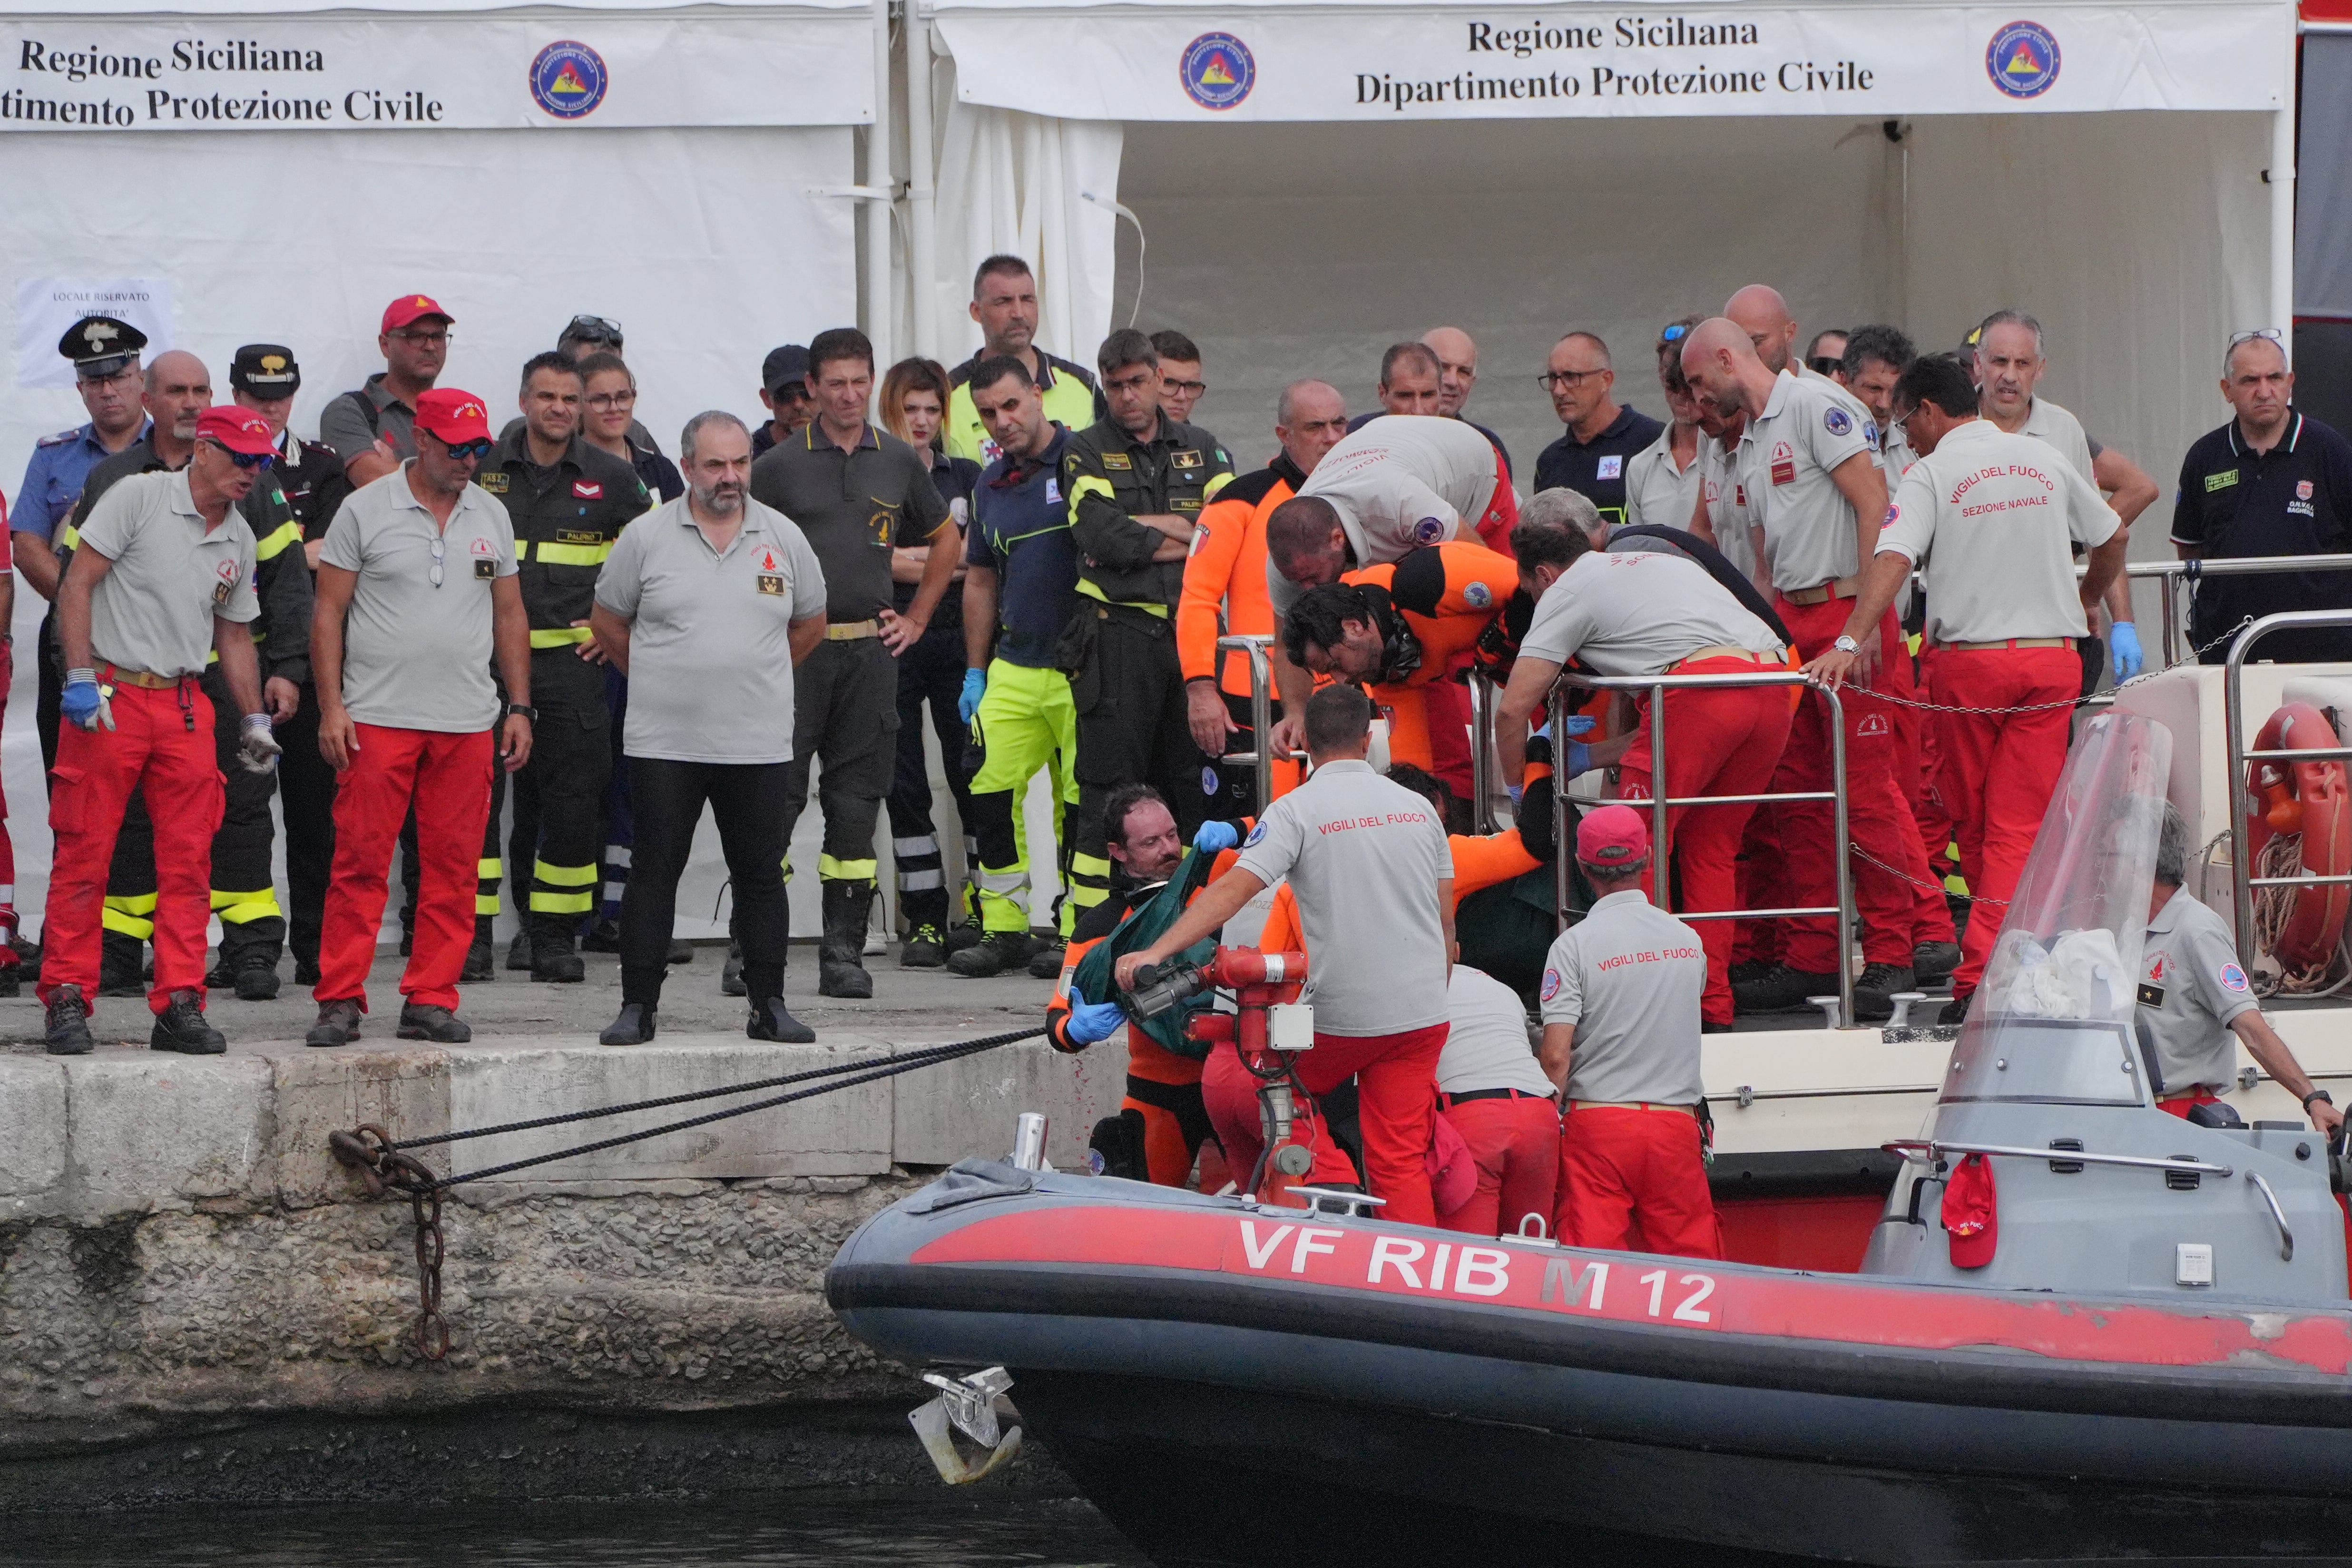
pixel 1613 835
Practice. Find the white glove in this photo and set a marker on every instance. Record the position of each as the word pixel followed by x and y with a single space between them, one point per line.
pixel 257 749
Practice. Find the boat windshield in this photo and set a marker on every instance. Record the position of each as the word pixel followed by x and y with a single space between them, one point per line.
pixel 2052 1018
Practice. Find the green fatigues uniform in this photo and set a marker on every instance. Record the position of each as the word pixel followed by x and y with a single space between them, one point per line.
pixel 1021 531
pixel 852 505
pixel 244 891
pixel 565 517
pixel 1125 678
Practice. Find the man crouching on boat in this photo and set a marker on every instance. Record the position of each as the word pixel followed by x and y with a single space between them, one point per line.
pixel 1621 1040
pixel 2194 997
pixel 1369 865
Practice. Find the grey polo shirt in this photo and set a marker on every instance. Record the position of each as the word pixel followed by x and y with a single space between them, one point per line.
pixel 417 654
pixel 1486 1047
pixel 1786 457
pixel 710 662
pixel 1629 976
pixel 154 610
pixel 345 426
pixel 852 506
pixel 2190 986
pixel 1363 856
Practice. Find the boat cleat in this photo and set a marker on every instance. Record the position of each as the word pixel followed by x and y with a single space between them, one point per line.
pixel 966 1405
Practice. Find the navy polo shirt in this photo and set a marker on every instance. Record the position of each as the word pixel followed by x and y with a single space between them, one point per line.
pixel 2294 500
pixel 1021 531
pixel 1596 468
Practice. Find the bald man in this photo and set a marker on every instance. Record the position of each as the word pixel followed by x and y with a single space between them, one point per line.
pixel 1457 368
pixel 1771 328
pixel 1808 460
pixel 1602 435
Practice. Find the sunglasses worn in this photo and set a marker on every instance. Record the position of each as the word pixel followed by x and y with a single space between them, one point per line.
pixel 1823 365
pixel 478 448
pixel 249 460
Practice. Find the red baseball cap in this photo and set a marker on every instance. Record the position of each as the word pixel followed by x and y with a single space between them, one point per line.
pixel 453 415
pixel 1972 1213
pixel 411 307
pixel 239 429
pixel 1613 835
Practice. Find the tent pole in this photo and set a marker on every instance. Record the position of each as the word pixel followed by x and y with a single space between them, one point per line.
pixel 922 263
pixel 2282 180
pixel 879 314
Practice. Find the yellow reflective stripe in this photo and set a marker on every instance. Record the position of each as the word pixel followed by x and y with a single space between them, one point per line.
pixel 132 903
pixel 1209 492
pixel 71 539
pixel 269 549
pixel 829 869
pixel 244 909
pixel 486 903
pixel 1087 485
pixel 563 903
pixel 1092 592
pixel 126 925
pixel 564 876
pixel 562 636
pixel 552 554
pixel 489 870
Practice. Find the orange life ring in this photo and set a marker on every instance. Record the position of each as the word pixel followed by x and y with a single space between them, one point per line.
pixel 2313 799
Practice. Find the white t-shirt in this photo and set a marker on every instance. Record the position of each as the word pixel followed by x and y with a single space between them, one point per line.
pixel 1364 858
pixel 1786 456
pixel 1993 518
pixel 1629 976
pixel 1655 490
pixel 1487 1045
pixel 1399 481
pixel 1636 613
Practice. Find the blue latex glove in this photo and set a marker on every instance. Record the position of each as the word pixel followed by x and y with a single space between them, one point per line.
pixel 1580 759
pixel 1092 1021
pixel 1580 724
pixel 83 702
pixel 975 681
pixel 1214 836
pixel 2123 642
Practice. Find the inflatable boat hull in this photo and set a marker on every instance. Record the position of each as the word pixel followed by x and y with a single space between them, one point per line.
pixel 1241 1386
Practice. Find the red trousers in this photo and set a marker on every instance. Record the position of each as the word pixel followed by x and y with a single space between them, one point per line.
pixel 1878 815
pixel 7 844
pixel 1229 1091
pixel 1932 918
pixel 1635 1180
pixel 1724 742
pixel 2178 1104
pixel 164 751
pixel 1516 1143
pixel 1393 1074
pixel 447 778
pixel 2000 770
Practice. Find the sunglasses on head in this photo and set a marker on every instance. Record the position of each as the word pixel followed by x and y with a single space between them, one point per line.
pixel 593 330
pixel 251 461
pixel 1674 333
pixel 477 449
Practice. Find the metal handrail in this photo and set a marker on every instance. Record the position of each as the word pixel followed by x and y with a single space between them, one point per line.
pixel 2170 574
pixel 1920 1150
pixel 1261 671
pixel 1657 686
pixel 2243 880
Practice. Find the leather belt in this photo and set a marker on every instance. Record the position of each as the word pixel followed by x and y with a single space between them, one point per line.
pixel 1776 659
pixel 2005 642
pixel 851 631
pixel 121 677
pixel 1841 588
pixel 1628 1105
pixel 1467 1094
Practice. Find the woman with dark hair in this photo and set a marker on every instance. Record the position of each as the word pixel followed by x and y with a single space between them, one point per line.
pixel 913 407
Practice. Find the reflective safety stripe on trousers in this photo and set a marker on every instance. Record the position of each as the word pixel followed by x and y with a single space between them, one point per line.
pixel 489 871
pixel 1004 899
pixel 244 909
pixel 132 914
pixel 1089 880
pixel 562 890
pixel 829 869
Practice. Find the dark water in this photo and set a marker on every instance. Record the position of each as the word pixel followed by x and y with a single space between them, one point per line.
pixel 989 1533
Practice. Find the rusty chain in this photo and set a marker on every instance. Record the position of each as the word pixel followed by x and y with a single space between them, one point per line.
pixel 384 1164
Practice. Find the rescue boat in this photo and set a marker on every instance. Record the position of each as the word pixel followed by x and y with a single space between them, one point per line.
pixel 2080 1330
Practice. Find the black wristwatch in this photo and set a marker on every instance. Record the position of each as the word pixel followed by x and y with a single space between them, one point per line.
pixel 2317 1094
pixel 518 709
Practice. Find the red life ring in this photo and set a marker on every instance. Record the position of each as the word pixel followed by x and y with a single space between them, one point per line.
pixel 2313 799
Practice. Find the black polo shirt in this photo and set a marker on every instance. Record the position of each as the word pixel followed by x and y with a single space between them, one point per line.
pixel 853 506
pixel 2294 500
pixel 1595 469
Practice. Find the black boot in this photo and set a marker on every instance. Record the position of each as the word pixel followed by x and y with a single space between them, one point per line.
pixel 481 958
pixel 731 973
pixel 841 952
pixel 120 961
pixel 424 1021
pixel 519 949
pixel 552 957
pixel 634 1026
pixel 338 1024
pixel 771 1021
pixel 68 1023
pixel 180 1026
pixel 602 935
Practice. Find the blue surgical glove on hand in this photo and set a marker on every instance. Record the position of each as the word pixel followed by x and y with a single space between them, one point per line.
pixel 975 681
pixel 1214 836
pixel 2123 642
pixel 83 702
pixel 1580 759
pixel 1092 1021
pixel 1580 724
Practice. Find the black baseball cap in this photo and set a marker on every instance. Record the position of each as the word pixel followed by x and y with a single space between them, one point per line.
pixel 785 366
pixel 266 370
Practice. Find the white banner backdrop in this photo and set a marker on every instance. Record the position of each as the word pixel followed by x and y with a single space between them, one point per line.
pixel 419 72
pixel 1355 62
pixel 47 307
